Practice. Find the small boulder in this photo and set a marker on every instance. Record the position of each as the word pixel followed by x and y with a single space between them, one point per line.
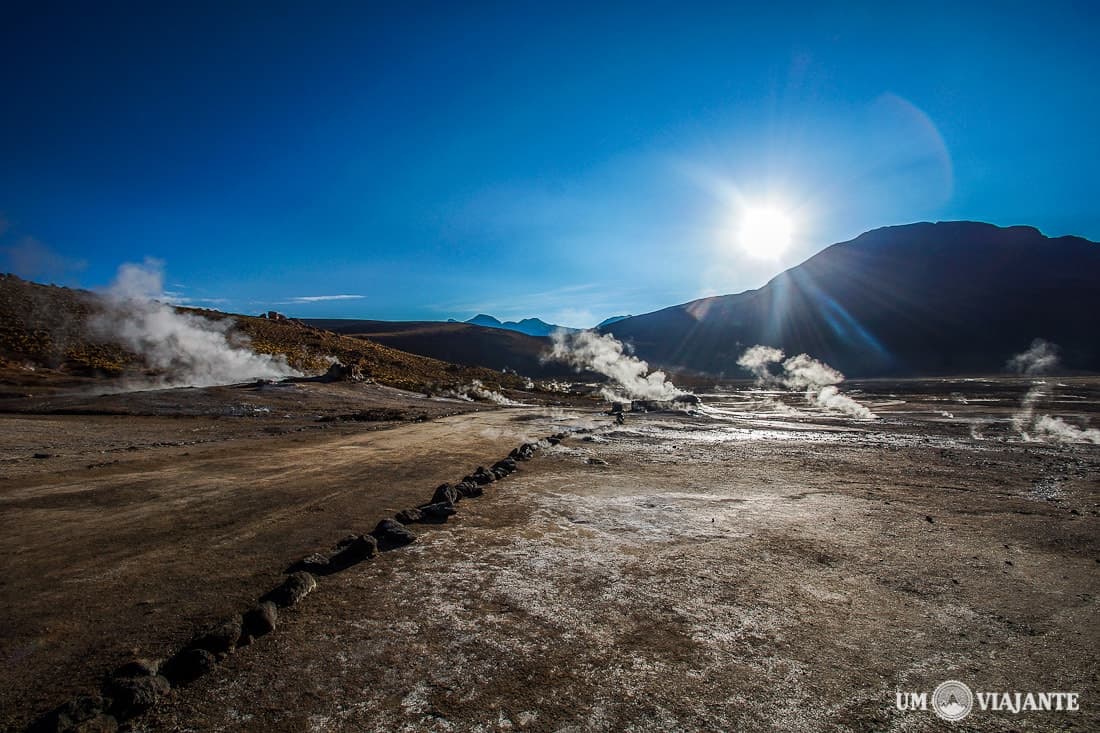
pixel 408 516
pixel 468 489
pixel 524 453
pixel 82 713
pixel 361 548
pixel 140 667
pixel 131 696
pixel 315 564
pixel 391 534
pixel 481 477
pixel 221 638
pixel 189 665
pixel 445 493
pixel 258 622
pixel 437 513
pixel 297 586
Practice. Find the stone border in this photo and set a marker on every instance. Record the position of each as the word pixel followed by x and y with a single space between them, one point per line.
pixel 137 686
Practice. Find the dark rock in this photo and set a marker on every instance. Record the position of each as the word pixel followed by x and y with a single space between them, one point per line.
pixel 343 373
pixel 42 455
pixel 347 540
pixel 408 516
pixel 315 564
pixel 468 489
pixel 297 586
pixel 437 513
pixel 138 668
pixel 596 462
pixel 554 440
pixel 524 453
pixel 102 723
pixel 220 639
pixel 507 465
pixel 391 534
pixel 445 493
pixel 188 666
pixel 480 477
pixel 131 696
pixel 258 622
pixel 361 548
pixel 82 713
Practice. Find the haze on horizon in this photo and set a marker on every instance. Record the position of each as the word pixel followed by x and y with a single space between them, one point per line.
pixel 566 163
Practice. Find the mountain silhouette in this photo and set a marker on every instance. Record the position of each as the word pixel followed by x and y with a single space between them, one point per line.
pixel 460 343
pixel 529 326
pixel 918 299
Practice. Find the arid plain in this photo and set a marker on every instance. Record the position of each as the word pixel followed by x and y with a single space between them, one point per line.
pixel 753 563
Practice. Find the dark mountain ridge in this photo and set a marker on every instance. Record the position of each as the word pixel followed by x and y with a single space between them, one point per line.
pixel 529 326
pixel 917 299
pixel 458 343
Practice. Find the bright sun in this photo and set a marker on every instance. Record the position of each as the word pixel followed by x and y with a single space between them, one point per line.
pixel 765 232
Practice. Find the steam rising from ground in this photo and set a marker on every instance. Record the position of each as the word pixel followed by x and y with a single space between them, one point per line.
pixel 1040 358
pixel 190 351
pixel 802 372
pixel 477 390
pixel 1044 428
pixel 605 354
pixel 758 360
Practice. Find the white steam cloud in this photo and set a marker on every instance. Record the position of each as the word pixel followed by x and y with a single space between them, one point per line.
pixel 1046 429
pixel 803 372
pixel 189 350
pixel 604 354
pixel 476 390
pixel 758 360
pixel 1040 358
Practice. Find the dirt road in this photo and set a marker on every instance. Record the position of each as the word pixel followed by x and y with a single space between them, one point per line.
pixel 100 563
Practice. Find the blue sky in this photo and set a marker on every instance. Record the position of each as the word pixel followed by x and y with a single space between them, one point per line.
pixel 523 159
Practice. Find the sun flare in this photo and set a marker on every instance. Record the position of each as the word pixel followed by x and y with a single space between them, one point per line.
pixel 765 232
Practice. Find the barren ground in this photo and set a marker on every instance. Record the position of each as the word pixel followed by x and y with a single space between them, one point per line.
pixel 743 571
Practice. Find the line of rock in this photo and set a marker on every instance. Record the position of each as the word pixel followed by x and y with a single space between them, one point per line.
pixel 138 685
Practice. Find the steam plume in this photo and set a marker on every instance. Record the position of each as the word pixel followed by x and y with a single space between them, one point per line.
pixel 604 354
pixel 758 360
pixel 477 390
pixel 1040 358
pixel 803 372
pixel 190 350
pixel 1044 428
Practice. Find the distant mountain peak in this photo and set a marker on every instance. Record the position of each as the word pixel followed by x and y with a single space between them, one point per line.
pixel 529 326
pixel 482 319
pixel 612 319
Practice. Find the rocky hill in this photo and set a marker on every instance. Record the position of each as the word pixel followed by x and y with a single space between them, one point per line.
pixel 920 299
pixel 45 341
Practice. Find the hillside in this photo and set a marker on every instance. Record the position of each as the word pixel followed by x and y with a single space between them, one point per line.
pixel 45 340
pixel 920 299
pixel 459 343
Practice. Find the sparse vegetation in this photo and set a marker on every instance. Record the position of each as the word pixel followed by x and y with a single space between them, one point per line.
pixel 44 328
